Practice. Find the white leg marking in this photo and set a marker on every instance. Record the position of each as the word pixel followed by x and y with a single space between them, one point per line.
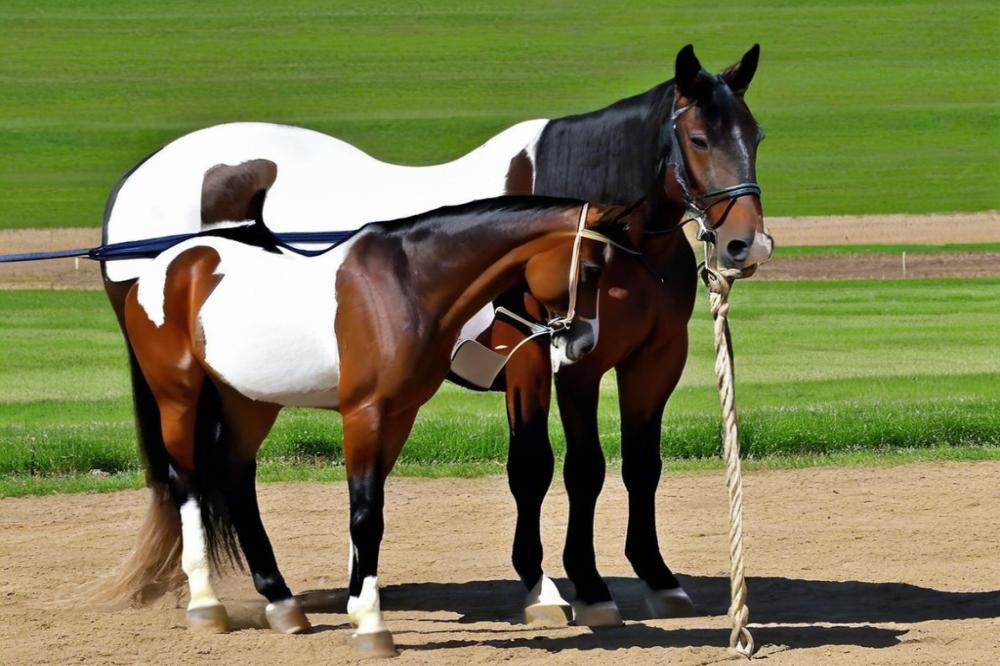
pixel 545 592
pixel 194 557
pixel 545 604
pixel 365 610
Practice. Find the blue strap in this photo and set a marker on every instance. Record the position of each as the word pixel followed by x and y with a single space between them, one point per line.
pixel 35 256
pixel 150 247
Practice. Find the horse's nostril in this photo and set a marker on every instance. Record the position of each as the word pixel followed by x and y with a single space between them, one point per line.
pixel 738 249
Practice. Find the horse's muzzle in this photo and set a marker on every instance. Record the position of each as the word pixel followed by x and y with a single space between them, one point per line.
pixel 572 344
pixel 746 252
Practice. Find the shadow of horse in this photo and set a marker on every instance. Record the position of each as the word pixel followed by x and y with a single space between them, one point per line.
pixel 773 600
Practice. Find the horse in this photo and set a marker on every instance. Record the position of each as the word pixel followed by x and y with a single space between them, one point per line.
pixel 693 134
pixel 235 331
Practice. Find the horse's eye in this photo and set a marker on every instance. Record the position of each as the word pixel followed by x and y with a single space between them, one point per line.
pixel 699 142
pixel 591 270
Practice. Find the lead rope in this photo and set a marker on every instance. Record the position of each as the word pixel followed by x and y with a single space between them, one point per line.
pixel 719 284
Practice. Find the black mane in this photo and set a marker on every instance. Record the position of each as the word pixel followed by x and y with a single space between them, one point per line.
pixel 609 155
pixel 515 205
pixel 446 218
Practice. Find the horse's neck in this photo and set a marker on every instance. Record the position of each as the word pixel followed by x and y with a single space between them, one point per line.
pixel 609 155
pixel 462 271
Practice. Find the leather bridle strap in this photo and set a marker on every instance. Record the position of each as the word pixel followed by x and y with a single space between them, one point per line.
pixel 559 323
pixel 574 264
pixel 700 205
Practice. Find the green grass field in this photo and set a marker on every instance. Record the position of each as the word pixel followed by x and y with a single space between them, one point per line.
pixel 844 368
pixel 869 107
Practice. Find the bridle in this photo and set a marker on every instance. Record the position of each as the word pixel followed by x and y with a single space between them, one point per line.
pixel 480 365
pixel 698 206
pixel 562 322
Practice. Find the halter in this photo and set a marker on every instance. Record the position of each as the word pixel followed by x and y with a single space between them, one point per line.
pixel 561 323
pixel 480 365
pixel 699 206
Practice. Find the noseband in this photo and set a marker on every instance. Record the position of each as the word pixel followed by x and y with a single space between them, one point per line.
pixel 700 205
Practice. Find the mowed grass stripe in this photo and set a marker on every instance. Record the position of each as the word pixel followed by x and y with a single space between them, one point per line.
pixel 822 367
pixel 868 109
pixel 826 250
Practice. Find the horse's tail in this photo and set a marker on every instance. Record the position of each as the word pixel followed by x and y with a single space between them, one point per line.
pixel 154 566
pixel 213 469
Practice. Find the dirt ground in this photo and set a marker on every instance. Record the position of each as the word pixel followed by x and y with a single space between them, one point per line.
pixel 897 229
pixel 838 230
pixel 893 565
pixel 881 266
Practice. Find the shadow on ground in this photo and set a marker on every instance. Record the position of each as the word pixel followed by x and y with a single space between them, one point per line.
pixel 773 601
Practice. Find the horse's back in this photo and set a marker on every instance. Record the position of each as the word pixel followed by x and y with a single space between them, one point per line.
pixel 323 183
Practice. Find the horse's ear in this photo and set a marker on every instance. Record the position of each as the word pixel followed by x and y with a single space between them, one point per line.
pixel 738 76
pixel 687 73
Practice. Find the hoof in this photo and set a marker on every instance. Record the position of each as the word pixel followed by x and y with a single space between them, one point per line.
pixel 548 614
pixel 546 606
pixel 376 644
pixel 286 617
pixel 669 603
pixel 208 619
pixel 601 614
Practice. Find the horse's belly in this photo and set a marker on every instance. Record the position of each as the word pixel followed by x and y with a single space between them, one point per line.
pixel 273 363
pixel 270 334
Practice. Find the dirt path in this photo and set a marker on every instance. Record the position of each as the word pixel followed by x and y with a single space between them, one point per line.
pixel 881 266
pixel 788 231
pixel 897 229
pixel 889 566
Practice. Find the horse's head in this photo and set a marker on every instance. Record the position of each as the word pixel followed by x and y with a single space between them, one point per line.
pixel 564 279
pixel 710 144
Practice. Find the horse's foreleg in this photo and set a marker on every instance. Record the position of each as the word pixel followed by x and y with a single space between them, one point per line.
pixel 371 444
pixel 530 465
pixel 584 475
pixel 645 382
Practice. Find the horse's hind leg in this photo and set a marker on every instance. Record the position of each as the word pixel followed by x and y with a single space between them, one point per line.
pixel 645 381
pixel 246 425
pixel 176 379
pixel 178 421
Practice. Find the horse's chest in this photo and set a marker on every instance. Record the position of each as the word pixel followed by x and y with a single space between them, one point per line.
pixel 270 335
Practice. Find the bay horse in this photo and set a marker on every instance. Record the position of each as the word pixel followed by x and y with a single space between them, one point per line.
pixel 236 331
pixel 693 133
